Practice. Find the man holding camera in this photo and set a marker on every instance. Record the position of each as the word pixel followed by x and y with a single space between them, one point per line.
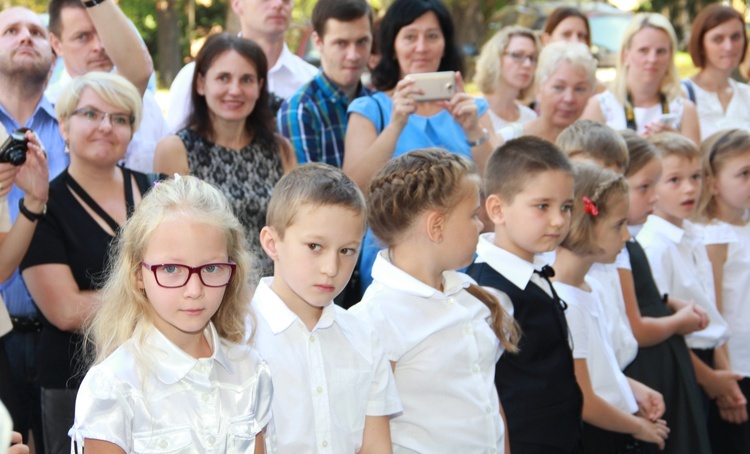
pixel 314 118
pixel 25 62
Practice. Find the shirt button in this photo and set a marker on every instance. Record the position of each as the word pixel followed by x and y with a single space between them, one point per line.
pixel 468 330
pixel 312 338
pixel 205 397
pixel 163 443
pixel 319 389
pixel 487 409
pixel 211 439
pixel 451 301
pixel 325 444
pixel 492 450
pixel 475 369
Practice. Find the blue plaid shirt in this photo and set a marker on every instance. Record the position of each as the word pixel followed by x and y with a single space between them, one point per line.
pixel 44 123
pixel 314 120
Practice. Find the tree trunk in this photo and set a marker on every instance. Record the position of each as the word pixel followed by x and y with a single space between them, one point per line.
pixel 168 41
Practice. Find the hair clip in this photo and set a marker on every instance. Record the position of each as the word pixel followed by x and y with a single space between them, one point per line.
pixel 157 183
pixel 590 207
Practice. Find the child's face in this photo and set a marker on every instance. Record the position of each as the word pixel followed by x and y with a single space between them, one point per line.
pixel 642 190
pixel 678 189
pixel 538 217
pixel 462 228
pixel 731 185
pixel 316 257
pixel 184 311
pixel 612 230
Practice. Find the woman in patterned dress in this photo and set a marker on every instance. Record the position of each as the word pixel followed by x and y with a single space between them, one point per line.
pixel 231 140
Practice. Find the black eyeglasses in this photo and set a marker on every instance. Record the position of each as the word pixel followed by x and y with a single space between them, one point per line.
pixel 175 275
pixel 520 57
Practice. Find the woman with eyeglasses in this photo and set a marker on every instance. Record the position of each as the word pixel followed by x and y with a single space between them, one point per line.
pixel 505 74
pixel 565 78
pixel 88 203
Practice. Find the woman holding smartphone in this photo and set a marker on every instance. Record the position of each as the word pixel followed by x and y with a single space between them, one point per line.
pixel 645 94
pixel 416 37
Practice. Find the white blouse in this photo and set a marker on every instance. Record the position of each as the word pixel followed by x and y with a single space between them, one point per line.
pixel 735 289
pixel 587 322
pixel 711 113
pixel 526 115
pixel 176 403
pixel 614 112
pixel 445 353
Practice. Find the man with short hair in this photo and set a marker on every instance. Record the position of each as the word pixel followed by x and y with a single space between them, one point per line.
pixel 99 37
pixel 25 62
pixel 314 118
pixel 264 22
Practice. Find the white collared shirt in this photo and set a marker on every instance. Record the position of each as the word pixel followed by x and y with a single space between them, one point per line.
pixel 327 381
pixel 587 323
pixel 711 113
pixel 285 77
pixel 445 353
pixel 616 318
pixel 140 153
pixel 517 270
pixel 681 268
pixel 154 397
pixel 735 289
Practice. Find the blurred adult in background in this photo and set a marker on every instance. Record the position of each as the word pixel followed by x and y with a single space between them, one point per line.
pixel 567 24
pixel 101 38
pixel 565 79
pixel 645 95
pixel 505 74
pixel 88 202
pixel 264 22
pixel 231 140
pixel 25 62
pixel 717 46
pixel 416 36
pixel 314 118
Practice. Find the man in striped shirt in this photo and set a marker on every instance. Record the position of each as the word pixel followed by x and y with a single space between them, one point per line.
pixel 314 118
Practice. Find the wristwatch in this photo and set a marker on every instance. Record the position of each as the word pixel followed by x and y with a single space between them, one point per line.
pixel 30 215
pixel 485 137
pixel 92 3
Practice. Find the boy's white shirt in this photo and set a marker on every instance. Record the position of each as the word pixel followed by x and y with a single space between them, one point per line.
pixel 215 404
pixel 587 322
pixel 326 381
pixel 445 352
pixel 681 268
pixel 735 289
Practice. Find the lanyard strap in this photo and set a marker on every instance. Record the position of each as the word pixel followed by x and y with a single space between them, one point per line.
pixel 95 207
pixel 630 115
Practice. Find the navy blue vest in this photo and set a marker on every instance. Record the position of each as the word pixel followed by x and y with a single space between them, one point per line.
pixel 537 386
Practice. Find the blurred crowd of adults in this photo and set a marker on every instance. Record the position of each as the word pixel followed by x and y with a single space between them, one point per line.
pixel 248 110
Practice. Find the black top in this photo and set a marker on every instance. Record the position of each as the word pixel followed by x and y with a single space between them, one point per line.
pixel 69 235
pixel 537 386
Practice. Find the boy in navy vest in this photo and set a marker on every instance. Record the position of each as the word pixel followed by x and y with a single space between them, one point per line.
pixel 529 191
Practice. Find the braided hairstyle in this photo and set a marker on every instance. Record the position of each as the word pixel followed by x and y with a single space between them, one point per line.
pixel 600 187
pixel 419 181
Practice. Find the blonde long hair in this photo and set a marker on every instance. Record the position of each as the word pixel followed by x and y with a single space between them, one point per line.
pixel 670 85
pixel 125 311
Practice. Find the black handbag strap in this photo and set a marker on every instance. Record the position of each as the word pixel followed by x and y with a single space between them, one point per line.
pixel 88 200
pixel 630 115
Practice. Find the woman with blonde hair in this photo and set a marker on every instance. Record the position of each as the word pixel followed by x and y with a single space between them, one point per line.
pixel 645 95
pixel 98 114
pixel 505 74
pixel 565 79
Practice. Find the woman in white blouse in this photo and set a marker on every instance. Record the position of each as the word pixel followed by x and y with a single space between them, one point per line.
pixel 645 95
pixel 717 46
pixel 505 74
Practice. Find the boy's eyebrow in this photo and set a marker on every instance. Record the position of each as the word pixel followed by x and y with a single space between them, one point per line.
pixel 313 237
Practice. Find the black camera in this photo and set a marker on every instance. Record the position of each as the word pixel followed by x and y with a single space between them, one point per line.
pixel 14 148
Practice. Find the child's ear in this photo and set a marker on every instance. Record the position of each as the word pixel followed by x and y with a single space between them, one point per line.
pixel 495 206
pixel 435 224
pixel 711 183
pixel 269 238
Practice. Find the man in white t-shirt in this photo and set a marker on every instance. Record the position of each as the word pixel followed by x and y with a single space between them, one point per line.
pixel 265 22
pixel 99 37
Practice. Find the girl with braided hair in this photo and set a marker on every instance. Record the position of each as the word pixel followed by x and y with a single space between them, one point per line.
pixel 443 333
pixel 618 413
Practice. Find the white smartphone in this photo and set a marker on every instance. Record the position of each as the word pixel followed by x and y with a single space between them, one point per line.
pixel 670 119
pixel 435 86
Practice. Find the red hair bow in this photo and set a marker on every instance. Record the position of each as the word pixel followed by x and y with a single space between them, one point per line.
pixel 590 207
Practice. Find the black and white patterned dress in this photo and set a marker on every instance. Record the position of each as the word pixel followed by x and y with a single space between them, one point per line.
pixel 246 177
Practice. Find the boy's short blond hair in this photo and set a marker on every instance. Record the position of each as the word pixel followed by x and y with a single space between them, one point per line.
pixel 511 166
pixel 591 139
pixel 315 184
pixel 674 144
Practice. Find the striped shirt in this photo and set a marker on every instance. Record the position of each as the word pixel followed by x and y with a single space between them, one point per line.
pixel 314 120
